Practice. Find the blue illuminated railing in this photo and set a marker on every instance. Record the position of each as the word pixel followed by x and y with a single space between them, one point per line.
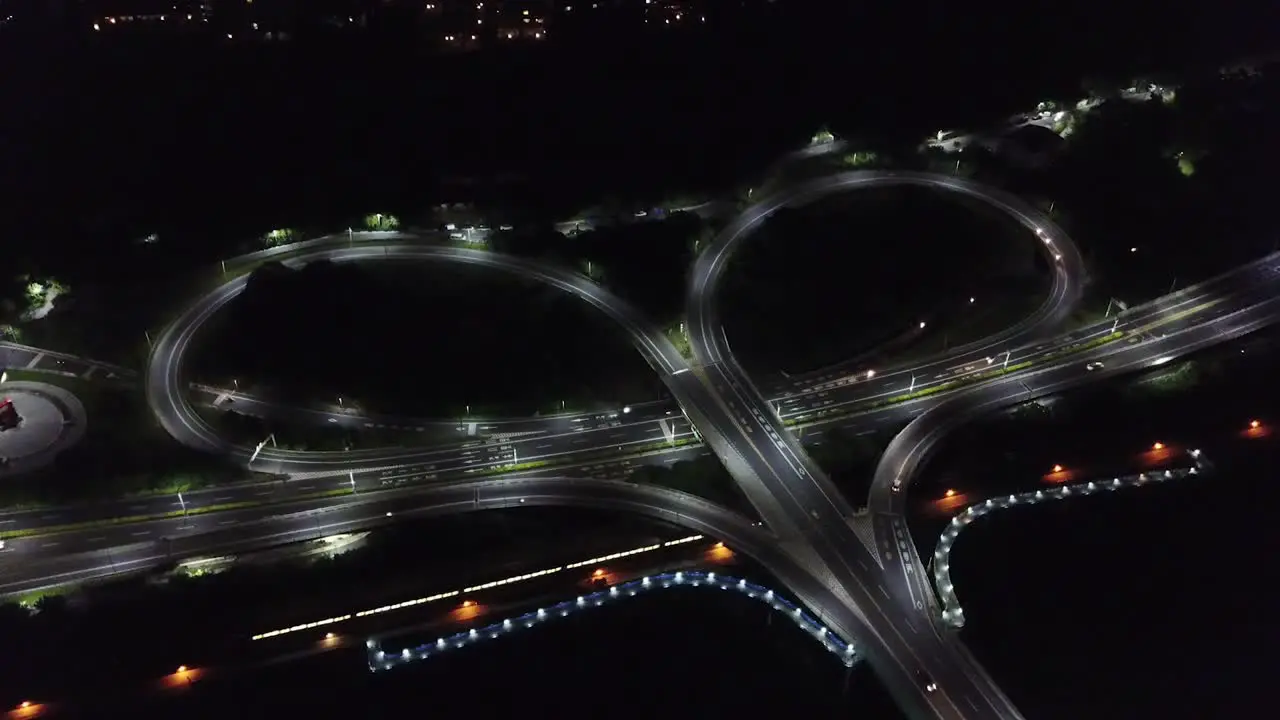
pixel 380 659
pixel 952 613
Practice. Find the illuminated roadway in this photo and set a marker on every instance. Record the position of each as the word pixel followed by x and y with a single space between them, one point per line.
pixel 1210 300
pixel 815 552
pixel 795 497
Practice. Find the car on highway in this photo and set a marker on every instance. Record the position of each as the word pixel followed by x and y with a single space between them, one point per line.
pixel 926 682
pixel 1093 366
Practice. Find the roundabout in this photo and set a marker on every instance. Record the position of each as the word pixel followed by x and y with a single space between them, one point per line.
pixel 40 422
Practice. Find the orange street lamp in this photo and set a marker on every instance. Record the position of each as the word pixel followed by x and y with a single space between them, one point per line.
pixel 1254 424
pixel 182 668
pixel 467 603
pixel 950 493
pixel 1158 446
pixel 1057 468
pixel 598 573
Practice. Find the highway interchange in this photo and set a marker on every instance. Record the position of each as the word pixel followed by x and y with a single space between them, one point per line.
pixel 870 588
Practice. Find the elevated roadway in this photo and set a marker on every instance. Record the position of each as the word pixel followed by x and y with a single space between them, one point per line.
pixel 810 545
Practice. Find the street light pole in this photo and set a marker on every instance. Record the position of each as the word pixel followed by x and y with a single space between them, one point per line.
pixel 1007 353
pixel 183 503
pixel 913 383
pixel 352 475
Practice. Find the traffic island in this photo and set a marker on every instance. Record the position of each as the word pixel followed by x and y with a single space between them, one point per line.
pixel 38 422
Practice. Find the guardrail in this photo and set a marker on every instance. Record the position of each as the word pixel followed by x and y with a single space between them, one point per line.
pixel 953 613
pixel 380 659
pixel 477 588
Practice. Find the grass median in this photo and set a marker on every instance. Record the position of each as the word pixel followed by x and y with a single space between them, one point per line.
pixel 112 522
pixel 585 458
pixel 642 451
pixel 974 378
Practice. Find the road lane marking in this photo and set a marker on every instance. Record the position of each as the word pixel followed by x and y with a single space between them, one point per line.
pixel 140 534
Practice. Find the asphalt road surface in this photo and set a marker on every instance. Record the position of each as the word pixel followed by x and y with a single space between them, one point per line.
pixel 876 595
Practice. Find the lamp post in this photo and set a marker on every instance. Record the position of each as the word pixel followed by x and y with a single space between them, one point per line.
pixel 183 503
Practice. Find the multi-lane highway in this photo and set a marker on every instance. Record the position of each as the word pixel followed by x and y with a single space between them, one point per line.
pixel 794 495
pixel 874 592
pixel 166 390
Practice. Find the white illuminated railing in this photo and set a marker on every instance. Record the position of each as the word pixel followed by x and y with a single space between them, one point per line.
pixel 474 588
pixel 952 613
pixel 382 659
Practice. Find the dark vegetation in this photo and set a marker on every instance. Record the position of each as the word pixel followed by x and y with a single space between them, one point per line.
pixel 703 475
pixel 156 623
pixel 416 339
pixel 1160 194
pixel 1143 587
pixel 208 145
pixel 645 263
pixel 711 653
pixel 845 275
pixel 1140 585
